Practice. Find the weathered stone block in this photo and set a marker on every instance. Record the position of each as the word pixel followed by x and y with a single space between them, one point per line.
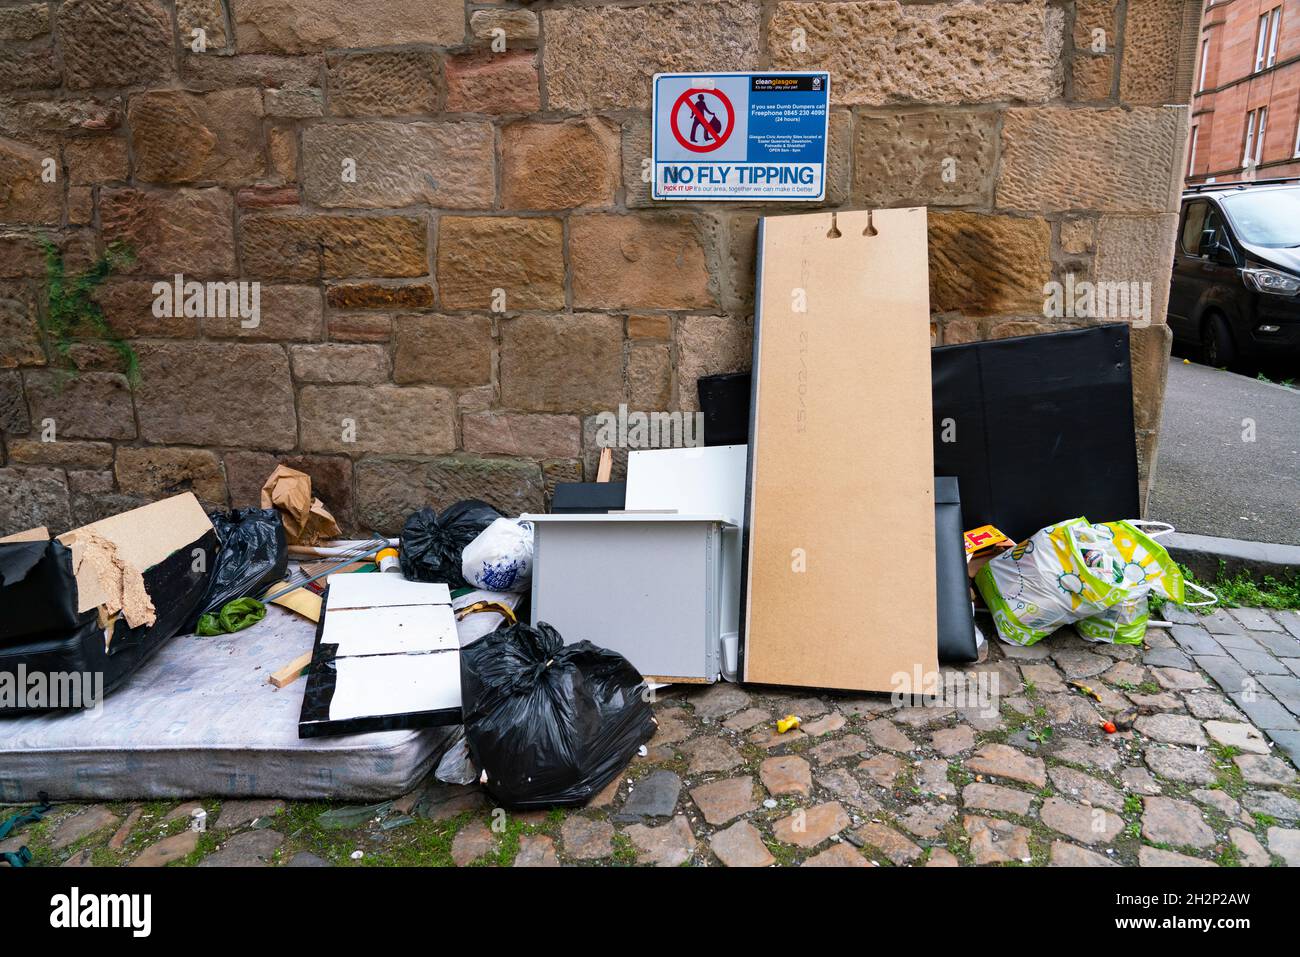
pixel 486 82
pixel 559 165
pixel 31 497
pixel 205 72
pixel 383 83
pixel 649 377
pixel 28 68
pixel 416 420
pixel 180 137
pixel 1077 235
pixel 562 363
pixel 1149 352
pixel 649 327
pixel 303 26
pixel 985 265
pixel 128 305
pixel 91 405
pixel 294 103
pixel 884 52
pixel 20 335
pixel 200 393
pixel 443 350
pixel 940 158
pixel 115 43
pixel 61 454
pixel 1094 78
pixel 636 161
pixel 14 419
pixel 267 196
pixel 80 206
pixel 205 15
pixel 359 328
pixel 488 25
pixel 307 246
pixel 335 363
pixel 536 436
pixel 839 157
pixel 95 160
pixel 399 164
pixel 603 57
pixel 738 243
pixel 155 472
pixel 1094 26
pixel 1086 158
pixel 708 345
pixel 26 118
pixel 1138 249
pixel 480 254
pixel 388 490
pixel 287 314
pixel 26 22
pixel 282 154
pixel 1153 36
pixel 24 195
pixel 186 230
pixel 373 295
pixel 639 261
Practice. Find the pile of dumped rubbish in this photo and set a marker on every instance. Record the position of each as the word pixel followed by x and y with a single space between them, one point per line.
pixel 843 524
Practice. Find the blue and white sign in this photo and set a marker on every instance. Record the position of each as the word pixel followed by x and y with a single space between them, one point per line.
pixel 740 136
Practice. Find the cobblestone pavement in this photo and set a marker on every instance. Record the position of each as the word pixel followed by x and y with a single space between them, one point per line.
pixel 1201 780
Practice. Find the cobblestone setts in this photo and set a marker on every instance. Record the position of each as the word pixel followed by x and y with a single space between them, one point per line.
pixel 1034 780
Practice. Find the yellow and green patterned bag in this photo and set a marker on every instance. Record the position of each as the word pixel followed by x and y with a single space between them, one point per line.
pixel 1047 581
pixel 1141 565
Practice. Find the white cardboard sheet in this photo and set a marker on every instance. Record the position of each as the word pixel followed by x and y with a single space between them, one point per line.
pixel 383 589
pixel 403 629
pixel 370 685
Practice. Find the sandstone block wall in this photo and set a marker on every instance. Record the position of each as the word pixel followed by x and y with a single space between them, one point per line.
pixel 449 320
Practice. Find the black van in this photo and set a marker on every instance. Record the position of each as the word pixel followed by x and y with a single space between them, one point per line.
pixel 1235 292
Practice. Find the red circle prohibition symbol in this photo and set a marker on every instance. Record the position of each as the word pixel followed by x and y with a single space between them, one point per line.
pixel 709 133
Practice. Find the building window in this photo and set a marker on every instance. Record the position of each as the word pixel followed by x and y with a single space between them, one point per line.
pixel 1261 42
pixel 1205 63
pixel 1191 152
pixel 1297 139
pixel 1256 123
pixel 1275 26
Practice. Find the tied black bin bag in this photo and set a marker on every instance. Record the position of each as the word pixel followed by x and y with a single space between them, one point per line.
pixel 254 554
pixel 432 543
pixel 551 724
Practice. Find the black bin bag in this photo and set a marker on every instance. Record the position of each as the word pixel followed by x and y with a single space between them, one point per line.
pixel 254 554
pixel 431 544
pixel 551 724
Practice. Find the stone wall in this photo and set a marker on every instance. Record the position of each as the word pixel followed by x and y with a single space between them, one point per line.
pixel 495 275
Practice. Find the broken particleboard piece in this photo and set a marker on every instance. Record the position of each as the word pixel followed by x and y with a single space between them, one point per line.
pixel 841 480
pixel 110 556
pixel 606 465
pixel 292 671
pixel 38 534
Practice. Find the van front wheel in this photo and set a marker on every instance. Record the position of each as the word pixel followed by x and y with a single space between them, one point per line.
pixel 1216 342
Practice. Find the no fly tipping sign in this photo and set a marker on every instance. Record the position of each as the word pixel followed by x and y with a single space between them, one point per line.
pixel 740 136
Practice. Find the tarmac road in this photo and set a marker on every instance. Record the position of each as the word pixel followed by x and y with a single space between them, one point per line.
pixel 1210 480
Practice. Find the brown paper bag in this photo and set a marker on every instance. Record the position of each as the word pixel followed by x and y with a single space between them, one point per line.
pixel 306 519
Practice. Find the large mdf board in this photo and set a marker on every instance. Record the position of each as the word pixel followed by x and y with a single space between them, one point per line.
pixel 841 475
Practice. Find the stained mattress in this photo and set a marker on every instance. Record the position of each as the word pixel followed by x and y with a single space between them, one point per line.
pixel 200 718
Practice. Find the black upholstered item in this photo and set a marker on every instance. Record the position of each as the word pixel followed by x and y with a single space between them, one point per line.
pixel 956 622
